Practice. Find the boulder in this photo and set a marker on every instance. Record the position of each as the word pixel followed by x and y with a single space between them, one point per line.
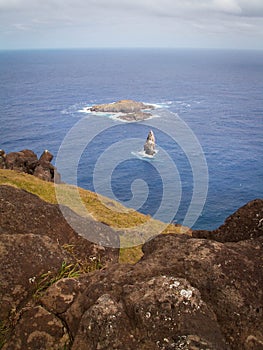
pixel 38 329
pixel 23 161
pixel 26 161
pixel 2 159
pixel 46 156
pixel 44 171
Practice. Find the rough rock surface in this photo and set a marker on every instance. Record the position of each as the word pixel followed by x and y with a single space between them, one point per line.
pixel 149 146
pixel 46 331
pixel 131 110
pixel 185 293
pixel 245 223
pixel 33 235
pixel 26 161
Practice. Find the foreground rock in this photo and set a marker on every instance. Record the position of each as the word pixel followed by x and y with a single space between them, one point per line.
pixel 185 293
pixel 131 110
pixel 35 238
pixel 245 223
pixel 26 161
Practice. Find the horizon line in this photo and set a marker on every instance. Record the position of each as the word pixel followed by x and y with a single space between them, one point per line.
pixel 130 48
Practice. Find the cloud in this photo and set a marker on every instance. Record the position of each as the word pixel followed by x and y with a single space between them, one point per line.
pixel 251 8
pixel 143 7
pixel 133 22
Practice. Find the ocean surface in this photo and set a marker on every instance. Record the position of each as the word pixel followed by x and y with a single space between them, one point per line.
pixel 208 101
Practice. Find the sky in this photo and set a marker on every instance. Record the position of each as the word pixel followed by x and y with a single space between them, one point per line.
pixel 37 24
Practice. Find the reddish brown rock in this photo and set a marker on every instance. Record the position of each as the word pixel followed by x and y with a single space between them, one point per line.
pixel 46 156
pixel 245 223
pixel 185 293
pixel 23 212
pixel 38 329
pixel 33 235
pixel 44 171
pixel 23 161
pixel 26 161
pixel 106 317
pixel 2 159
pixel 23 259
pixel 61 295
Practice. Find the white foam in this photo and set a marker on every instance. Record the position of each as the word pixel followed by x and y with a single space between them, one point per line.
pixel 155 105
pixel 85 110
pixel 141 154
pixel 165 104
pixel 117 116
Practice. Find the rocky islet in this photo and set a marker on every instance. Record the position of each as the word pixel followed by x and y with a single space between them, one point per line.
pixel 126 110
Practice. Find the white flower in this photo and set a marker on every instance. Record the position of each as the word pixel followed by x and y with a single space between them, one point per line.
pixel 32 279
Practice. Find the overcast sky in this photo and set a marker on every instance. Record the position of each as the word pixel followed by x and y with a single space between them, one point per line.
pixel 131 23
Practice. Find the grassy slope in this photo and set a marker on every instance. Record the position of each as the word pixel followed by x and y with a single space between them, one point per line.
pixel 100 208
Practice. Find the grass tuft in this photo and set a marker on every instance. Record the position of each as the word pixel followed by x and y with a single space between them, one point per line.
pixel 100 208
pixel 47 279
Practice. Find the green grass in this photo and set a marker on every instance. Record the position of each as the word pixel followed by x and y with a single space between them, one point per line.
pixel 47 279
pixel 131 224
pixel 66 270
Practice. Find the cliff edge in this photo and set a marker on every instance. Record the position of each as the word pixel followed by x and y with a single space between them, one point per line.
pixel 185 293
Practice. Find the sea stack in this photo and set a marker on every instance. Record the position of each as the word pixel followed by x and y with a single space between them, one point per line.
pixel 149 146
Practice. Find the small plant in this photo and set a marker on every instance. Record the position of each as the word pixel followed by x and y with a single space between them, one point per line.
pixel 49 278
pixel 87 265
pixel 73 270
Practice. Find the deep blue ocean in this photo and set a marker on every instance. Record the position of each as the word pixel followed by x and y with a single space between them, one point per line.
pixel 217 94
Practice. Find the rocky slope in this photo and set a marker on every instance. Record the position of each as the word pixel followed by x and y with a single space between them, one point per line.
pixel 33 240
pixel 200 292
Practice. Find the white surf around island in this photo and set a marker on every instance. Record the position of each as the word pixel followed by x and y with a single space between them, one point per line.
pixel 143 155
pixel 118 116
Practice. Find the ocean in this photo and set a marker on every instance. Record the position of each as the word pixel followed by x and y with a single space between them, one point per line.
pixel 208 125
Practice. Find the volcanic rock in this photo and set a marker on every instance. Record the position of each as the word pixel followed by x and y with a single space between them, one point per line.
pixel 46 156
pixel 2 159
pixel 185 293
pixel 26 161
pixel 44 171
pixel 24 257
pixel 46 331
pixel 149 146
pixel 245 223
pixel 23 161
pixel 33 237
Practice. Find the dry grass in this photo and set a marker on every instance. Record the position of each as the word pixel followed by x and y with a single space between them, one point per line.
pixel 134 227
